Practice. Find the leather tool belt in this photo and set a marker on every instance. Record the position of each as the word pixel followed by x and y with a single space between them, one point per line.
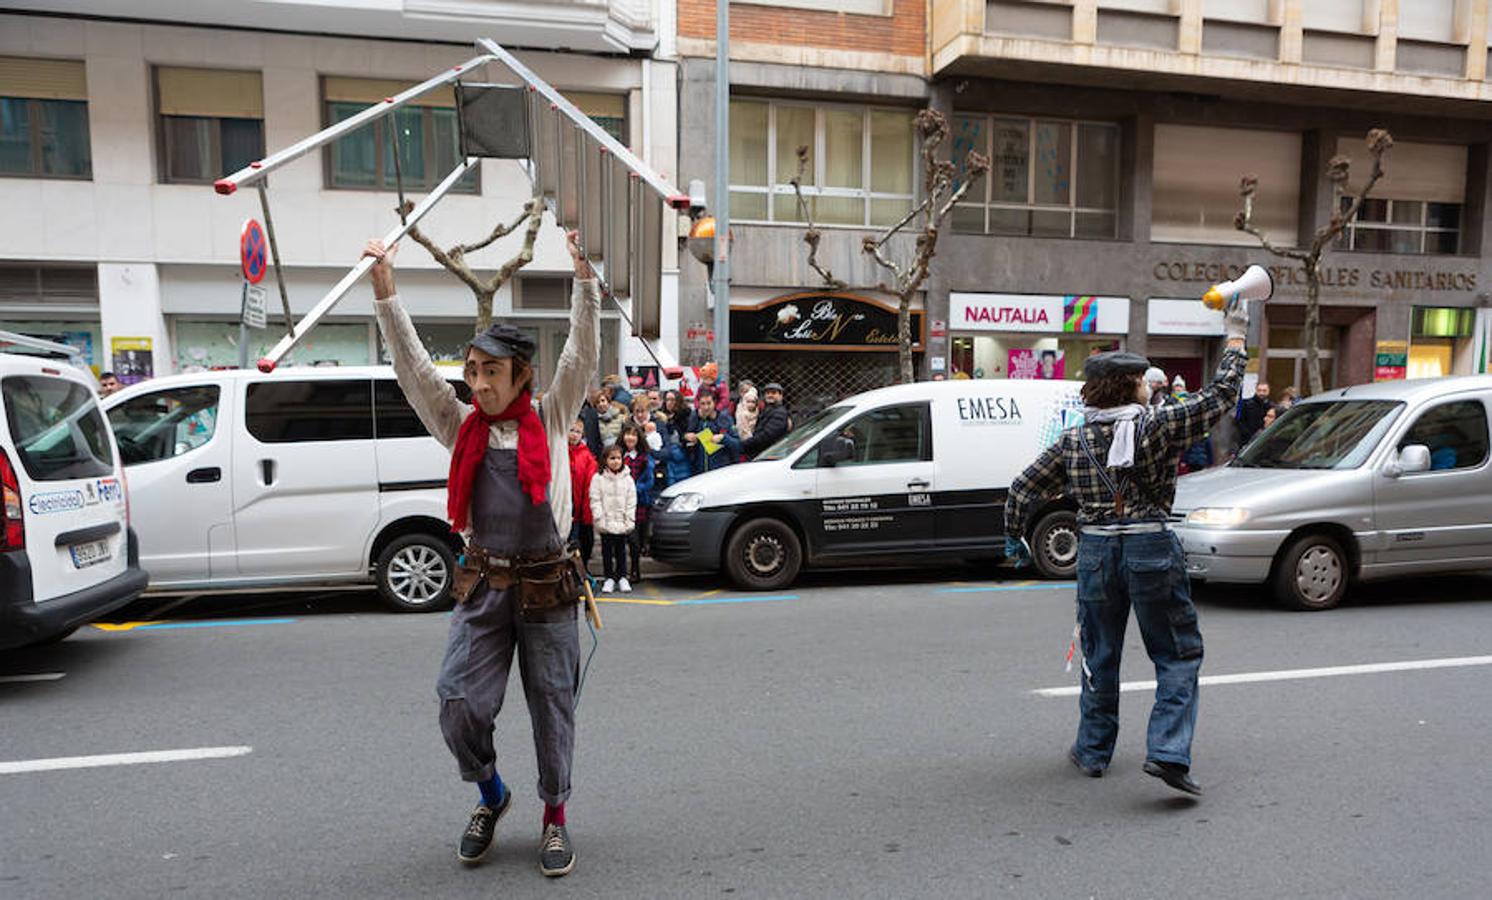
pixel 541 583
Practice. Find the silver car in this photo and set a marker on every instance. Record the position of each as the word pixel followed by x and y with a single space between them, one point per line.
pixel 1373 481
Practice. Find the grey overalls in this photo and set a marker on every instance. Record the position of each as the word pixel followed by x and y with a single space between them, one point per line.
pixel 487 628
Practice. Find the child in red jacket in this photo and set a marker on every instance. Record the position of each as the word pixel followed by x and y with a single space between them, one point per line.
pixel 582 470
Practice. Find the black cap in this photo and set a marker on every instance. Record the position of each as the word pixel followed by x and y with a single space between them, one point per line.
pixel 502 340
pixel 773 386
pixel 1115 362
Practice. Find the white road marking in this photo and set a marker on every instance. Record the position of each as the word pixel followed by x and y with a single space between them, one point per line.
pixel 40 676
pixel 120 759
pixel 1295 674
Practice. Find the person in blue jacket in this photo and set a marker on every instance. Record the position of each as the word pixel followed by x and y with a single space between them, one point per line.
pixel 722 426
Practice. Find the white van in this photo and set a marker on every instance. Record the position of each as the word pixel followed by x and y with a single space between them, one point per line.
pixel 67 553
pixel 912 474
pixel 304 476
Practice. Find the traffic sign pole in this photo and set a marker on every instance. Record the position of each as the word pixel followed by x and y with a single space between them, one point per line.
pixel 243 328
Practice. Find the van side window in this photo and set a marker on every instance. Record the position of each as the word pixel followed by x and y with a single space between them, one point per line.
pixel 892 434
pixel 58 429
pixel 165 424
pixel 1456 434
pixel 282 412
pixel 393 417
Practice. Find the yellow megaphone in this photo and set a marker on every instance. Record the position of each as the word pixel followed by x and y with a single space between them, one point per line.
pixel 1254 284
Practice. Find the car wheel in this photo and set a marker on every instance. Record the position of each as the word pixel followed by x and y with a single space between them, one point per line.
pixel 1054 545
pixel 414 573
pixel 1312 574
pixel 763 555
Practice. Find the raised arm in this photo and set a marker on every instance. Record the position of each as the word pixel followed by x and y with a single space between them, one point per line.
pixel 1187 422
pixel 581 354
pixel 429 394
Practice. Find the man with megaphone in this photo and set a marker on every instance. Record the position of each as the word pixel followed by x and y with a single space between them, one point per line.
pixel 1120 466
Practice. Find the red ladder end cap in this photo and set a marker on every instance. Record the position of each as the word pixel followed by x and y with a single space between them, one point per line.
pixel 673 372
pixel 679 201
pixel 266 365
pixel 224 186
pixel 257 164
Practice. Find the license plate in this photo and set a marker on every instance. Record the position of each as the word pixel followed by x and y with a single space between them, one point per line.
pixel 90 554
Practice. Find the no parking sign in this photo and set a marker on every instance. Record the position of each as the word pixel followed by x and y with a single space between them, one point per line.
pixel 251 251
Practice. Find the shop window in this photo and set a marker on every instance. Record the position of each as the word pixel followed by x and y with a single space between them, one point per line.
pixel 1456 434
pixel 1196 177
pixel 165 424
pixel 860 163
pixel 211 122
pixel 285 412
pixel 1047 178
pixel 428 135
pixel 203 345
pixel 44 118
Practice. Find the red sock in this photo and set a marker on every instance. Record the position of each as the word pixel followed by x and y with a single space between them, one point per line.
pixel 554 814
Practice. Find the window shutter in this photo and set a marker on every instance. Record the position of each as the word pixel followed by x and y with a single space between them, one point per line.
pixel 373 90
pixel 42 79
pixel 209 92
pixel 1433 172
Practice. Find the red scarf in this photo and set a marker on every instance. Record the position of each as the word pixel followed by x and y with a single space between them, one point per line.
pixel 471 447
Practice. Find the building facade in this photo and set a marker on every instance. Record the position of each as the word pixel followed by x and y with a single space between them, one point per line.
pixel 112 131
pixel 1119 131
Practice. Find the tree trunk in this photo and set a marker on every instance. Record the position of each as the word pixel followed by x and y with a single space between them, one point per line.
pixel 1310 336
pixel 904 339
pixel 484 311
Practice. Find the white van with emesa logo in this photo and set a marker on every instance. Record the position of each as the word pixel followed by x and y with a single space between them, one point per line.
pixel 912 474
pixel 304 476
pixel 67 553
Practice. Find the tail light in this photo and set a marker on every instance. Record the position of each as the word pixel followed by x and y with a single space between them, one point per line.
pixel 12 522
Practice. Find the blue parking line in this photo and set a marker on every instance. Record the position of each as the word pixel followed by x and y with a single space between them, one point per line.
pixel 211 623
pixel 995 588
pixel 748 598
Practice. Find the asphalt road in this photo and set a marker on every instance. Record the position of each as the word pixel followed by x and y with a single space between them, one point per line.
pixel 864 735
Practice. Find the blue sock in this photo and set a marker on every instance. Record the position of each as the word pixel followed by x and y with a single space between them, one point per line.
pixel 493 791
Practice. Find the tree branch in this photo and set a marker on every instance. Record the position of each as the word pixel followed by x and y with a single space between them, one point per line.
pixel 1244 222
pixel 534 207
pixel 524 257
pixel 456 266
pixel 812 236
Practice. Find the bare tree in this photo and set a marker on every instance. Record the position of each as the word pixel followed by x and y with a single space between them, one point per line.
pixel 454 259
pixel 1337 171
pixel 939 195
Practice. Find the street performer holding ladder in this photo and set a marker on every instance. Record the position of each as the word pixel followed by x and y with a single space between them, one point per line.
pixel 1120 466
pixel 517 589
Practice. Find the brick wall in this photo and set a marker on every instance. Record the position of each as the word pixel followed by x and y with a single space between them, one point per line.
pixel 903 33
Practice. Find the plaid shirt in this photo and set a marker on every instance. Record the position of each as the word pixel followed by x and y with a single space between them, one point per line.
pixel 1162 433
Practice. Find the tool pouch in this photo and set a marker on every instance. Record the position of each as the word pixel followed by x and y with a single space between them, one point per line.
pixel 466 579
pixel 547 585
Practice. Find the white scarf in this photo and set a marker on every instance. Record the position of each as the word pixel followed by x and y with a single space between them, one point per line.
pixel 1122 447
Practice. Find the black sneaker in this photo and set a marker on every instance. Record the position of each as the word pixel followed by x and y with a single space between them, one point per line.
pixel 1090 771
pixel 556 856
pixel 477 839
pixel 1173 774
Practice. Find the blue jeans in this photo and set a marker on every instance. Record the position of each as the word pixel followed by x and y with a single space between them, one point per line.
pixel 1148 572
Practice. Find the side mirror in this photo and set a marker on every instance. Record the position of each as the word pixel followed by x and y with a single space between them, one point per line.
pixel 1413 458
pixel 836 450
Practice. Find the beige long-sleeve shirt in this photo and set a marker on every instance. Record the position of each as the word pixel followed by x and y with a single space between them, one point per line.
pixel 435 402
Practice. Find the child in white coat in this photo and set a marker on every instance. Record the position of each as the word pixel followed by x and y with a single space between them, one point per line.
pixel 614 509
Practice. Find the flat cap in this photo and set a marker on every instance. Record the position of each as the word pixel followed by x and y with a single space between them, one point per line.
pixel 502 340
pixel 1114 362
pixel 773 386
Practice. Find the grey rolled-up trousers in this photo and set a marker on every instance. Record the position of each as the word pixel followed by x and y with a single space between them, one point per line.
pixel 485 630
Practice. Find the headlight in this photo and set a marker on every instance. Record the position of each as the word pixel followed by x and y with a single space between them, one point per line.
pixel 686 503
pixel 1220 516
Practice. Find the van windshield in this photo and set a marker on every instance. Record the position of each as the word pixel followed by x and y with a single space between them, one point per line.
pixel 1336 435
pixel 803 434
